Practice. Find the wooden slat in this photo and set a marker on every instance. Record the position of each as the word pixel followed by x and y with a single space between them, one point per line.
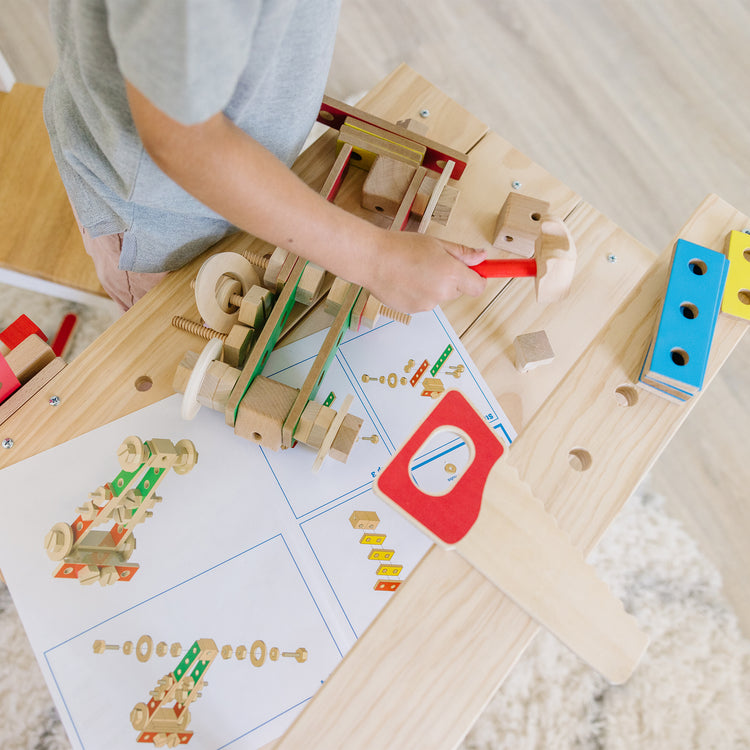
pixel 38 233
pixel 448 636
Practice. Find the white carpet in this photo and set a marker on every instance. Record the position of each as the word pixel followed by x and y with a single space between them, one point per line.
pixel 692 690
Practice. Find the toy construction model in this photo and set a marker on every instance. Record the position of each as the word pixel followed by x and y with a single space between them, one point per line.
pixel 243 316
pixel 163 720
pixel 89 555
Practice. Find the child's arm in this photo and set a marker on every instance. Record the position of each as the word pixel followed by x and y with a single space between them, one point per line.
pixel 233 174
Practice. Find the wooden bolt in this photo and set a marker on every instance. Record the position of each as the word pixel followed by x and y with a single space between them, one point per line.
pixel 300 654
pixel 258 259
pixel 373 439
pixel 196 328
pixel 101 646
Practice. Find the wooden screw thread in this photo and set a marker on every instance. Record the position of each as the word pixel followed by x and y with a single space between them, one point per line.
pixel 197 329
pixel 391 314
pixel 261 261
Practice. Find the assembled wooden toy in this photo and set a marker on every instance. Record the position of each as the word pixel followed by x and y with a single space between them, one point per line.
pixel 163 720
pixel 88 555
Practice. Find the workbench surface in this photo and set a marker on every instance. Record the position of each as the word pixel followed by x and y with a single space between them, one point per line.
pixel 421 674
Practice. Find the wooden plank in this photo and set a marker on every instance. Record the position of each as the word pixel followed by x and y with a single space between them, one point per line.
pixel 457 656
pixel 38 233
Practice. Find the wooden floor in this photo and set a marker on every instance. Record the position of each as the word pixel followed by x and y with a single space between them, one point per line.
pixel 641 107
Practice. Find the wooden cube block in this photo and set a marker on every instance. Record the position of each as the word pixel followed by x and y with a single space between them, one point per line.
pixel 532 350
pixel 183 371
pixel 386 184
pixel 262 411
pixel 237 344
pixel 255 306
pixel 364 519
pixel 336 296
pixel 323 422
pixel 345 438
pixel 445 204
pixel 518 224
pixel 29 357
pixel 310 284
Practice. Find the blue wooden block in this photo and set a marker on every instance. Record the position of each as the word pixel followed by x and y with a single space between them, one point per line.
pixel 679 354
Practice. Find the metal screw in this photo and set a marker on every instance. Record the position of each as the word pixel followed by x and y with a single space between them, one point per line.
pixel 54 401
pixel 611 258
pixel 516 184
pixel 424 112
pixel 8 443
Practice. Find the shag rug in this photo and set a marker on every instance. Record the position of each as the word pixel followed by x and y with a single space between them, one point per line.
pixel 691 691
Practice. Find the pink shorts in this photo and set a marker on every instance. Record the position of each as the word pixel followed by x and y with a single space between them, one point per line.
pixel 125 287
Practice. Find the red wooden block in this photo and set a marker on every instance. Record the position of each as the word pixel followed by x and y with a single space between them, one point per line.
pixel 9 383
pixel 18 330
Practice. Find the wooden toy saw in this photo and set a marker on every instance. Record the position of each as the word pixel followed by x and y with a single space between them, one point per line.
pixel 492 519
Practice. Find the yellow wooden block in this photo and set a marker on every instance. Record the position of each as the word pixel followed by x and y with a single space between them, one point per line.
pixel 381 554
pixel 389 570
pixel 736 300
pixel 368 538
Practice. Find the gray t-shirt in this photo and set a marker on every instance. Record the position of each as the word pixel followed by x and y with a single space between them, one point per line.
pixel 263 63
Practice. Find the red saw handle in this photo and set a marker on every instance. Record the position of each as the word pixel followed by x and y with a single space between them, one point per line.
pixel 450 516
pixel 507 268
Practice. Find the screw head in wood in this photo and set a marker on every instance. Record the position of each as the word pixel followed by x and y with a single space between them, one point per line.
pixel 424 112
pixel 7 443
pixel 54 401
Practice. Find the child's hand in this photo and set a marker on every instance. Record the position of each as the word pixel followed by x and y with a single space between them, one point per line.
pixel 414 272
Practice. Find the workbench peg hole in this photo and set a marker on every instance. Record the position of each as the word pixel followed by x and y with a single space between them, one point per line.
pixel 143 383
pixel 626 395
pixel 580 459
pixel 698 267
pixel 536 216
pixel 689 310
pixel 680 357
pixel 744 296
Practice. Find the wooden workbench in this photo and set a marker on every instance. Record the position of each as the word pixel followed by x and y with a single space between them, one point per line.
pixel 423 671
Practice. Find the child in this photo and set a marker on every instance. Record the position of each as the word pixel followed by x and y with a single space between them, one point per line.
pixel 174 122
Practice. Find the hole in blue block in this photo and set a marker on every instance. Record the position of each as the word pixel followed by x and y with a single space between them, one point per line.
pixel 679 357
pixel 697 266
pixel 689 310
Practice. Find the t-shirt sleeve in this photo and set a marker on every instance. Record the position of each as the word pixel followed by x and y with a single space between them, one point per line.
pixel 184 56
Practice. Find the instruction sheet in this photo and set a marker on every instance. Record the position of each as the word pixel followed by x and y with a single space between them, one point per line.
pixel 253 576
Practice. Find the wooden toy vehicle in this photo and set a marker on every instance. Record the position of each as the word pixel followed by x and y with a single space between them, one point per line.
pixel 246 317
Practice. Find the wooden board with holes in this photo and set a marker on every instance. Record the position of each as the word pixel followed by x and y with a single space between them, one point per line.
pixel 596 334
